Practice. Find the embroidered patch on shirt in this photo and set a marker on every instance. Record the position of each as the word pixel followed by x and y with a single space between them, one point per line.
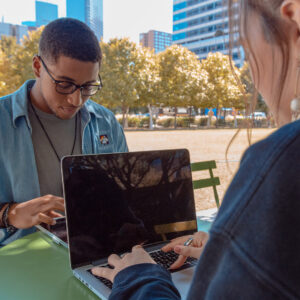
pixel 104 139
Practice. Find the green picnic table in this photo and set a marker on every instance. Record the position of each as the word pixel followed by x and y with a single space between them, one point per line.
pixel 36 268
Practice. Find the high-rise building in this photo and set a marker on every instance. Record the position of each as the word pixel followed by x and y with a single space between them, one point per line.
pixel 18 31
pixel 88 11
pixel 45 13
pixel 202 27
pixel 156 40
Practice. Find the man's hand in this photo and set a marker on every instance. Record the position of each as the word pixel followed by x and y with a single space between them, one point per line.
pixel 194 250
pixel 137 256
pixel 36 211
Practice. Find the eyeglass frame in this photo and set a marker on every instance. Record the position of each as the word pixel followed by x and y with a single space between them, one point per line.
pixel 100 86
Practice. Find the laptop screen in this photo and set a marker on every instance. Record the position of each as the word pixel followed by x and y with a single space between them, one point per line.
pixel 115 201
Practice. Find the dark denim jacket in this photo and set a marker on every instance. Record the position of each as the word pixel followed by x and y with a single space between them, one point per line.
pixel 18 172
pixel 254 247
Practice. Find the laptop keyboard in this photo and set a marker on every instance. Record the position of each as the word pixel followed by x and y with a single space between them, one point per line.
pixel 165 259
pixel 107 282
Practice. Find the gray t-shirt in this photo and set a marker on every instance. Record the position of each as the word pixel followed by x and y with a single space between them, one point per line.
pixel 62 134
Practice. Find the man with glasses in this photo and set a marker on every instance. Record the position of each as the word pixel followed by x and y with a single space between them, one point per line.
pixel 48 118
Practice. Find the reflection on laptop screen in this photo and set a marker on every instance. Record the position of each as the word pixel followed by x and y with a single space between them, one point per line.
pixel 115 201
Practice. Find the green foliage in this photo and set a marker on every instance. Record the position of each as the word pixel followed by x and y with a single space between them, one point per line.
pixel 166 122
pixel 185 122
pixel 201 121
pixel 220 123
pixel 16 61
pixel 144 122
pixel 147 85
pixel 133 122
pixel 222 87
pixel 136 122
pixel 182 80
pixel 120 71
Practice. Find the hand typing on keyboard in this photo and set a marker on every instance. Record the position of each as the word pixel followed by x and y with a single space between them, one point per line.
pixel 194 249
pixel 137 256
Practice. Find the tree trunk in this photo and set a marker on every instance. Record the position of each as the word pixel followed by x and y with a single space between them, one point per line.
pixel 150 117
pixel 126 117
pixel 218 116
pixel 125 111
pixel 175 121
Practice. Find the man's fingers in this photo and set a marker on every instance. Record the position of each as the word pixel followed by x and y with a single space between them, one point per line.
pixel 54 214
pixel 104 272
pixel 179 262
pixel 188 251
pixel 42 218
pixel 52 203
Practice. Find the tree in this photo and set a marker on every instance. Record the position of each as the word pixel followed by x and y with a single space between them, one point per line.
pixel 4 69
pixel 120 72
pixel 8 45
pixel 16 60
pixel 148 82
pixel 222 88
pixel 250 91
pixel 183 82
pixel 22 66
pixel 8 48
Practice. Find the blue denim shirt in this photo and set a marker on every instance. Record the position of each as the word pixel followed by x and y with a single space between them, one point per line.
pixel 18 172
pixel 254 247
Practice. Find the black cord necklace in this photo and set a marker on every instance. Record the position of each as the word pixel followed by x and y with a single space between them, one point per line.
pixel 44 129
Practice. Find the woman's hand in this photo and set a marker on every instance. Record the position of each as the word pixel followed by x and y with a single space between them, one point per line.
pixel 137 256
pixel 193 250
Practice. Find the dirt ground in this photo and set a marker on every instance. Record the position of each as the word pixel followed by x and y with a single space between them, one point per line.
pixel 203 145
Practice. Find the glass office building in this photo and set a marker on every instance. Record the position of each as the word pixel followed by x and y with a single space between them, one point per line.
pixel 18 31
pixel 88 11
pixel 202 27
pixel 45 13
pixel 156 40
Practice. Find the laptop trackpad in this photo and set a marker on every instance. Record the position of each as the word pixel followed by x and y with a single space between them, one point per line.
pixel 183 280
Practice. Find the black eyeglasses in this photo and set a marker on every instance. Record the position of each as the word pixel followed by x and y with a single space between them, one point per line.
pixel 67 87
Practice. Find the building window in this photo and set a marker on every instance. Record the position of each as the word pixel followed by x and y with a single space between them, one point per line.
pixel 179 16
pixel 179 36
pixel 180 26
pixel 179 6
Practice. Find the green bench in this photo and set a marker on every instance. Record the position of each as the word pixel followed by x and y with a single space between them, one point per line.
pixel 207 182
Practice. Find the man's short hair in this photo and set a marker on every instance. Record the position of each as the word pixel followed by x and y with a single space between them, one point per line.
pixel 69 37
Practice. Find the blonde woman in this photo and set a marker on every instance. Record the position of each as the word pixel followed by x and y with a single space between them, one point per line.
pixel 253 251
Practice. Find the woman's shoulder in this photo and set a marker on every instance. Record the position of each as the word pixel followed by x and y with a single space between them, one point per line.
pixel 277 143
pixel 268 167
pixel 259 216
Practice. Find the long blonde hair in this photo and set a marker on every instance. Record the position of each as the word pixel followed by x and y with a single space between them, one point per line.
pixel 273 29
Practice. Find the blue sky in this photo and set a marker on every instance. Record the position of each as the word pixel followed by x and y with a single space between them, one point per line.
pixel 122 18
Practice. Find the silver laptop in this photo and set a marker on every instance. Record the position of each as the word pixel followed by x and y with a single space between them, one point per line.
pixel 57 232
pixel 115 201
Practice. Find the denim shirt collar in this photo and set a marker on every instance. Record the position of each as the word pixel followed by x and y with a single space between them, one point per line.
pixel 20 106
